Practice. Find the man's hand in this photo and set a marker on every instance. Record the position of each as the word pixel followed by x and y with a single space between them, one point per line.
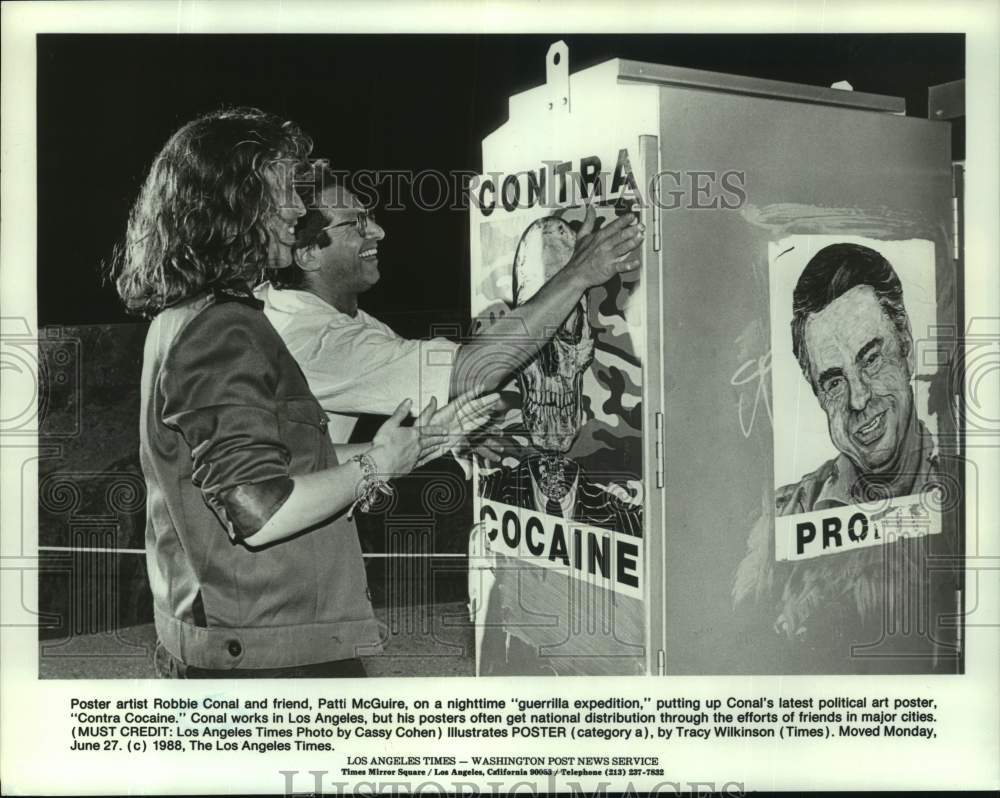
pixel 459 418
pixel 492 446
pixel 513 340
pixel 489 449
pixel 611 250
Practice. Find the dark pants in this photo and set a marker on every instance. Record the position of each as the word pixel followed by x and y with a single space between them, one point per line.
pixel 169 667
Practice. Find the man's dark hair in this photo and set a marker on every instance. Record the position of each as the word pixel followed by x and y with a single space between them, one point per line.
pixel 309 230
pixel 831 273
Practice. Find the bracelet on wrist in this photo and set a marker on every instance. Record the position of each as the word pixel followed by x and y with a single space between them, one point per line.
pixel 371 485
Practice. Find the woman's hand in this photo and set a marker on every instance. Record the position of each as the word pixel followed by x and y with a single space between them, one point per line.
pixel 397 450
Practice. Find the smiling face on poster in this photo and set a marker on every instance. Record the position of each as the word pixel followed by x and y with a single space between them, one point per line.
pixel 855 456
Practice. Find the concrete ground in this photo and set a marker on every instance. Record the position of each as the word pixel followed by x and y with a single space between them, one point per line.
pixel 423 641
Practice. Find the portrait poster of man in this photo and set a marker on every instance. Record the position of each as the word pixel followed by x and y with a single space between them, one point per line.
pixel 562 520
pixel 859 484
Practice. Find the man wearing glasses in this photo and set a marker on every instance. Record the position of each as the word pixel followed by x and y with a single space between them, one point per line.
pixel 355 364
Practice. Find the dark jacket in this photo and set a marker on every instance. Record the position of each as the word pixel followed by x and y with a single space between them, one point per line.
pixel 226 419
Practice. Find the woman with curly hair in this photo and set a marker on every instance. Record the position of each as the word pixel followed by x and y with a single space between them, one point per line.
pixel 254 571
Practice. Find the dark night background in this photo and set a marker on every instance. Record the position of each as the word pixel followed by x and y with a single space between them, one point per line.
pixel 106 104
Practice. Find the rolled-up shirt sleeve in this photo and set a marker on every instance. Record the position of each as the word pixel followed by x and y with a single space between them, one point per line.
pixel 218 385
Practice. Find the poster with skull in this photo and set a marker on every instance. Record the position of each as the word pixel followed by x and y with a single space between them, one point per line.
pixel 561 520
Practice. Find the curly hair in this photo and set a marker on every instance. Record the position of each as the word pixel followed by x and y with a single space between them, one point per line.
pixel 200 218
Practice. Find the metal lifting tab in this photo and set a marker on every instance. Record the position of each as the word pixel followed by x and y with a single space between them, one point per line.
pixel 557 76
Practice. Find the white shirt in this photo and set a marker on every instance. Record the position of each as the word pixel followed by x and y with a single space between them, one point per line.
pixel 357 365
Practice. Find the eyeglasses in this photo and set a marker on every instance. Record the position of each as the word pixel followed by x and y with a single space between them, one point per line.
pixel 361 222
